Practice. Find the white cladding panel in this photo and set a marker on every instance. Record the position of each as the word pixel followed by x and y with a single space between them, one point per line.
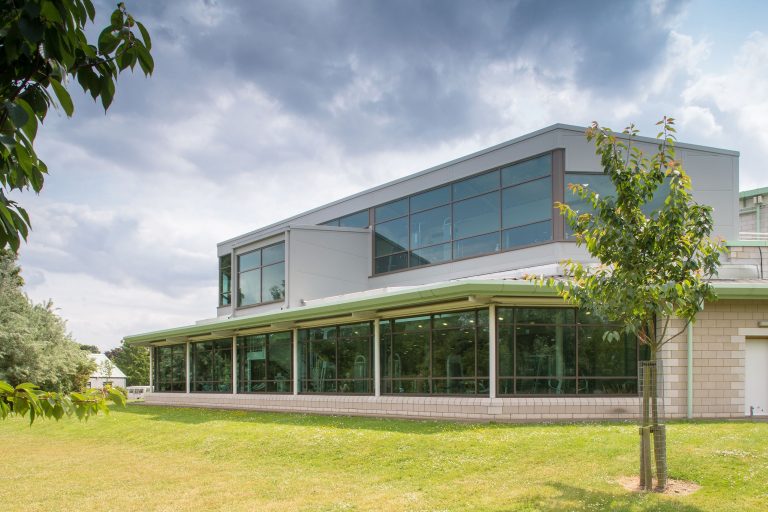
pixel 323 262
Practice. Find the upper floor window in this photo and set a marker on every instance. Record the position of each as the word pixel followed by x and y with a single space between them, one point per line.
pixel 354 220
pixel 494 211
pixel 225 280
pixel 261 275
pixel 601 183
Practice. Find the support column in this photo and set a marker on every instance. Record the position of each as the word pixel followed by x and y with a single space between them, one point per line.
pixel 234 365
pixel 295 344
pixel 151 368
pixel 376 358
pixel 492 350
pixel 690 371
pixel 186 359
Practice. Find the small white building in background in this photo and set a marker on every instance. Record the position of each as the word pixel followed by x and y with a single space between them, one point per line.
pixel 99 377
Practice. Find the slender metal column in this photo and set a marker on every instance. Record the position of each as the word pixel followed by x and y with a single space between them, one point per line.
pixel 376 358
pixel 186 358
pixel 151 368
pixel 492 350
pixel 234 365
pixel 295 361
pixel 690 371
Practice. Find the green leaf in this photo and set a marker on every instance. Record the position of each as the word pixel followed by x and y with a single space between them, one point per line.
pixel 107 41
pixel 116 19
pixel 107 91
pixel 145 59
pixel 64 99
pixel 144 35
pixel 17 114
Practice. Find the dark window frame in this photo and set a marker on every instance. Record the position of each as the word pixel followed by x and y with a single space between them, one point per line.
pixel 305 370
pixel 260 269
pixel 241 345
pixel 577 326
pixel 555 173
pixel 387 374
pixel 225 296
pixel 217 346
pixel 177 353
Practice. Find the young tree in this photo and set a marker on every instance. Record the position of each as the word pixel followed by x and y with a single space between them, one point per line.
pixel 654 266
pixel 44 45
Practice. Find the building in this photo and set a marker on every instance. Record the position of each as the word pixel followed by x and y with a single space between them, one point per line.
pixel 103 375
pixel 408 300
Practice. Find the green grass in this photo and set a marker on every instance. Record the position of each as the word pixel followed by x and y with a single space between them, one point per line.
pixel 156 458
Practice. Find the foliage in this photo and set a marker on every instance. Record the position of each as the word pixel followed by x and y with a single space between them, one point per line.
pixel 34 344
pixel 43 46
pixel 307 462
pixel 654 265
pixel 28 398
pixel 92 349
pixel 133 361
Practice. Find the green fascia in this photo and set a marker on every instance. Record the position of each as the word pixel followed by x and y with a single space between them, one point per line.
pixel 398 298
pixel 753 192
pixel 729 290
pixel 747 243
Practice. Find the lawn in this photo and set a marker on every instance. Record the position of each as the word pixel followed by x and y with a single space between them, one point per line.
pixel 155 458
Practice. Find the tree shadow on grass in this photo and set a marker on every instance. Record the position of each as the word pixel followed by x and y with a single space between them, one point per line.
pixel 200 415
pixel 575 498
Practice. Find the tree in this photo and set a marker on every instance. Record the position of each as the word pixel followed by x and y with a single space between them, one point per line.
pixel 133 361
pixel 93 349
pixel 43 46
pixel 34 344
pixel 654 266
pixel 28 398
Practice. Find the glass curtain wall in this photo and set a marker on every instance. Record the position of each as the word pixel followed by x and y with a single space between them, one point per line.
pixel 495 211
pixel 265 363
pixel 355 220
pixel 336 359
pixel 211 366
pixel 554 351
pixel 170 368
pixel 261 275
pixel 445 354
pixel 601 184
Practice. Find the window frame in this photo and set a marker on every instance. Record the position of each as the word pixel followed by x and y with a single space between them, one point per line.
pixel 577 326
pixel 431 378
pixel 260 269
pixel 556 161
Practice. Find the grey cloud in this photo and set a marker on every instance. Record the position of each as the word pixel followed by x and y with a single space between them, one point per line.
pixel 423 56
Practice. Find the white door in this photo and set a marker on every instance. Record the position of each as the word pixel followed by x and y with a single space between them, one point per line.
pixel 756 378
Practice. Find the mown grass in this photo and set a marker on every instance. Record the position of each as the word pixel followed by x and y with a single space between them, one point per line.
pixel 155 458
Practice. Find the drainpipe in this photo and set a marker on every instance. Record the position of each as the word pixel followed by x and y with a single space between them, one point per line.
pixel 690 371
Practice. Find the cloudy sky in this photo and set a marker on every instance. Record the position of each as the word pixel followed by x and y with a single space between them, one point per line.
pixel 259 110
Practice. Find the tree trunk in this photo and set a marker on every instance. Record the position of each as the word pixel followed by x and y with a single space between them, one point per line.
pixel 659 430
pixel 646 473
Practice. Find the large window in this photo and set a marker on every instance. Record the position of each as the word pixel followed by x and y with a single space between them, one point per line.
pixel 553 351
pixel 498 210
pixel 601 184
pixel 211 366
pixel 336 359
pixel 261 275
pixel 225 280
pixel 354 220
pixel 436 354
pixel 265 363
pixel 170 368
